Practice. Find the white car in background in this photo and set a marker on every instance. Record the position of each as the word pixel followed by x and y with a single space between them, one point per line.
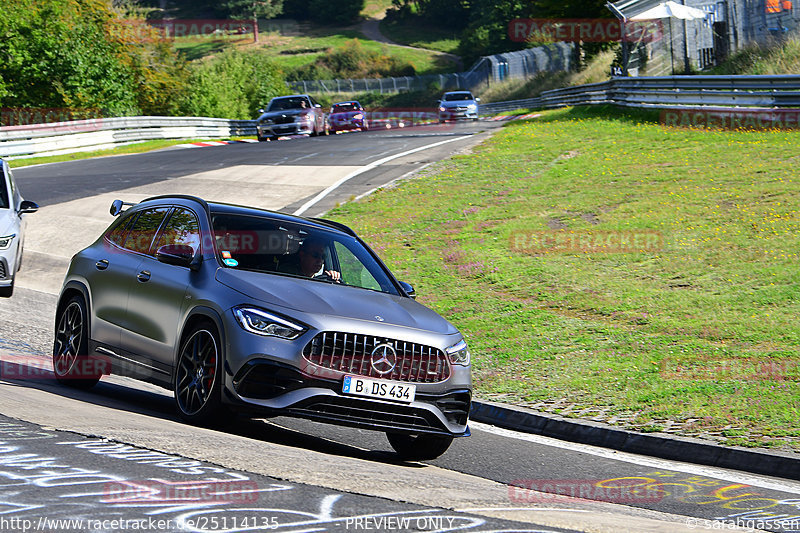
pixel 458 105
pixel 12 228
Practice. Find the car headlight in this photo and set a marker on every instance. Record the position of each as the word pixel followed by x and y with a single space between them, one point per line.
pixel 266 121
pixel 358 116
pixel 263 323
pixel 303 118
pixel 458 353
pixel 442 108
pixel 472 106
pixel 5 242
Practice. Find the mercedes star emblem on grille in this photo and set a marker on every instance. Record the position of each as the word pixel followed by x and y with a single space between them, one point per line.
pixel 383 359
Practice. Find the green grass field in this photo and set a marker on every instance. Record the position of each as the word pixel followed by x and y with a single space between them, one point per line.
pixel 428 36
pixel 691 328
pixel 292 51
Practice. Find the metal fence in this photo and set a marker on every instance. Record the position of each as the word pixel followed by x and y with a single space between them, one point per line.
pixel 522 64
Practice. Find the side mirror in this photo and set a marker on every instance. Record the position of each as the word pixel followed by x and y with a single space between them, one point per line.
pixel 409 290
pixel 261 111
pixel 176 254
pixel 477 99
pixel 317 105
pixel 28 207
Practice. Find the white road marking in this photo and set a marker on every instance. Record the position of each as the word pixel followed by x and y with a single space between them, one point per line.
pixel 663 464
pixel 372 165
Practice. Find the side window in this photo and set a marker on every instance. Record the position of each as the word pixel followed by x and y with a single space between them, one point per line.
pixel 4 202
pixel 117 232
pixel 353 271
pixel 144 229
pixel 182 228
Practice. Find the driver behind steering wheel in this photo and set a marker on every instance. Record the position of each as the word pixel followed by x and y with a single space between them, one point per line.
pixel 312 260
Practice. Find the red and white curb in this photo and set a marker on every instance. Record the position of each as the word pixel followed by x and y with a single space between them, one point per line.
pixel 514 117
pixel 204 144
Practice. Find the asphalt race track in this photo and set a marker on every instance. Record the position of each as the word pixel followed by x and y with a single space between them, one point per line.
pixel 118 452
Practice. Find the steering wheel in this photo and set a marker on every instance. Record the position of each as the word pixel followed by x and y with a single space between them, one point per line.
pixel 324 276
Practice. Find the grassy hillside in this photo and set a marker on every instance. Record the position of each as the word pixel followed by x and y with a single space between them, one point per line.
pixel 778 58
pixel 308 44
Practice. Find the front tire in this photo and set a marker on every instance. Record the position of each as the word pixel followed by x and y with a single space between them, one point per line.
pixel 6 292
pixel 70 347
pixel 198 377
pixel 419 447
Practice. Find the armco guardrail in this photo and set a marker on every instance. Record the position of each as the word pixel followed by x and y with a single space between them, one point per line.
pixel 669 91
pixel 683 91
pixel 499 107
pixel 62 137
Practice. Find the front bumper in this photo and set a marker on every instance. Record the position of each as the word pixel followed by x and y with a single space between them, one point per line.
pixel 291 128
pixel 278 389
pixel 7 267
pixel 347 125
pixel 452 114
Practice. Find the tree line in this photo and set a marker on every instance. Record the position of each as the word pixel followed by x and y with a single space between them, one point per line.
pixel 89 58
pixel 483 24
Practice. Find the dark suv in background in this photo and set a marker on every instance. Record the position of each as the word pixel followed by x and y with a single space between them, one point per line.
pixel 246 310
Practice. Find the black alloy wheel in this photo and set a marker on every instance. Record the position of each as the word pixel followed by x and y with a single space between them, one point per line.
pixel 198 377
pixel 71 363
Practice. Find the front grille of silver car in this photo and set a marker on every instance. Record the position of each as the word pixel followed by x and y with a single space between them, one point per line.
pixel 352 353
pixel 2 270
pixel 283 119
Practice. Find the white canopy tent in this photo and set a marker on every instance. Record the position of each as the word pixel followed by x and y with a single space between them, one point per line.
pixel 671 9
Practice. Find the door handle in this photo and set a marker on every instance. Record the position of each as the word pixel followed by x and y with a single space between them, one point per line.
pixel 102 264
pixel 143 276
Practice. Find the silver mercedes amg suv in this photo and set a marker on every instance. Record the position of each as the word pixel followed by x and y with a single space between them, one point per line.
pixel 246 310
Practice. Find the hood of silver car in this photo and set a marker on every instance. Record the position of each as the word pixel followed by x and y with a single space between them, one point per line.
pixel 288 113
pixel 322 298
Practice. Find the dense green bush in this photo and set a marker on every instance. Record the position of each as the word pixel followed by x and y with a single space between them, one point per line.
pixel 83 57
pixel 232 85
pixel 353 60
pixel 87 58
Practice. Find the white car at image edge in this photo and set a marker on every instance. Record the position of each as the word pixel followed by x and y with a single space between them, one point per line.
pixel 12 228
